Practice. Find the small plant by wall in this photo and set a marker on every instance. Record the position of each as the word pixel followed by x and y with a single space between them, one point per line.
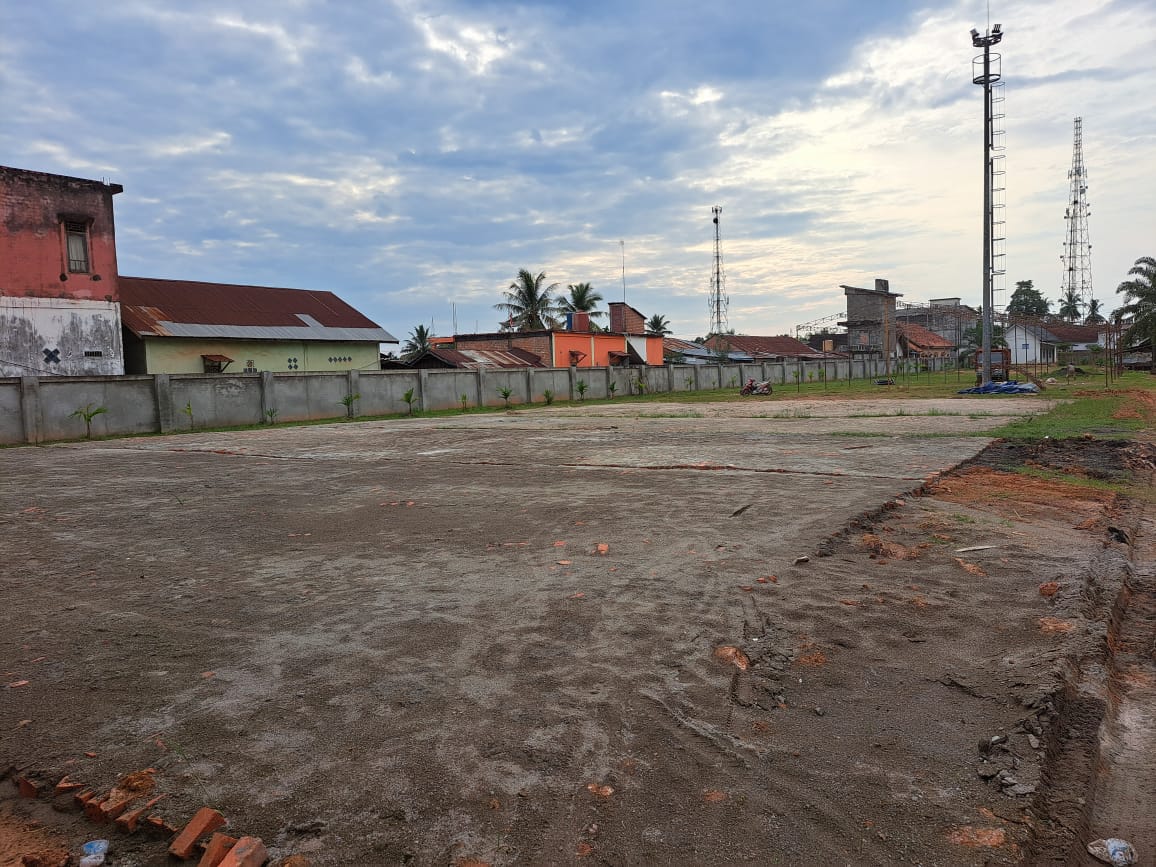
pixel 271 415
pixel 505 391
pixel 187 409
pixel 580 386
pixel 548 396
pixel 348 402
pixel 612 388
pixel 409 399
pixel 88 412
pixel 465 402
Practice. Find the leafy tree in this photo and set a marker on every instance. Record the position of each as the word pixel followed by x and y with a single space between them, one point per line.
pixel 1027 301
pixel 1139 303
pixel 582 299
pixel 658 324
pixel 1070 305
pixel 1094 316
pixel 530 304
pixel 417 343
pixel 973 340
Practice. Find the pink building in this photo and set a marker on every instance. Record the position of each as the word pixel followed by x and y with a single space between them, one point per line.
pixel 59 311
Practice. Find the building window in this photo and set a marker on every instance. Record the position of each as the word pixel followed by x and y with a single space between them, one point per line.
pixel 76 238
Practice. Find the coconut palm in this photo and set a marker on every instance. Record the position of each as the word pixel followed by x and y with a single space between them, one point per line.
pixel 1094 316
pixel 1140 302
pixel 658 324
pixel 529 304
pixel 417 343
pixel 1070 305
pixel 582 299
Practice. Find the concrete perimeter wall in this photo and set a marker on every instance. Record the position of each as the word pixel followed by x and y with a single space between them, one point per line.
pixel 45 409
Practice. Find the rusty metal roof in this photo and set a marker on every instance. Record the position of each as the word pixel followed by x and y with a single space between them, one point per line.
pixel 472 359
pixel 184 308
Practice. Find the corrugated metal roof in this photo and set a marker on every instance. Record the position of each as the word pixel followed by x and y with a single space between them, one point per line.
pixel 185 308
pixel 472 359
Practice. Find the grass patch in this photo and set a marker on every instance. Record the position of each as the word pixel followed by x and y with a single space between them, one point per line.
pixel 1071 479
pixel 1087 414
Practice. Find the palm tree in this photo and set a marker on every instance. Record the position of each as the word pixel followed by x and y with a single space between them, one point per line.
pixel 417 343
pixel 1094 317
pixel 658 324
pixel 1140 302
pixel 1070 305
pixel 529 305
pixel 583 299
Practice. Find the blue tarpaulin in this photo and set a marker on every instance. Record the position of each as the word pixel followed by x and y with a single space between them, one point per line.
pixel 1009 387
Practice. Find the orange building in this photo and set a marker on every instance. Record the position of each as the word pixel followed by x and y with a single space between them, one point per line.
pixel 578 346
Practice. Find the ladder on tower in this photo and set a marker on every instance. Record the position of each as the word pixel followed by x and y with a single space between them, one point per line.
pixel 998 214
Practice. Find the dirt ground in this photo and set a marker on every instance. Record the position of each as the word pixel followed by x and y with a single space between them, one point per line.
pixel 581 636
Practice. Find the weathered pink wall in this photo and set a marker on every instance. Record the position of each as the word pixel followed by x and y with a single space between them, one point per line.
pixel 33 206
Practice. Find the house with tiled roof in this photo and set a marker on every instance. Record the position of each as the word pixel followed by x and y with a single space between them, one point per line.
pixel 774 348
pixel 915 341
pixel 1040 343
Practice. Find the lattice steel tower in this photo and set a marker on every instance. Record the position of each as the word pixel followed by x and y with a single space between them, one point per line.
pixel 718 295
pixel 1077 255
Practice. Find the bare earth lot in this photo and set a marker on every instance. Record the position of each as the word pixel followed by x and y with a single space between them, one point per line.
pixel 580 636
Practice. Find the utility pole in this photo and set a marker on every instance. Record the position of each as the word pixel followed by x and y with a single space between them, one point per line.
pixel 985 74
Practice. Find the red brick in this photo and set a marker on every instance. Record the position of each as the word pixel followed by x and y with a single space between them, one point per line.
pixel 128 821
pixel 117 802
pixel 28 788
pixel 249 852
pixel 84 797
pixel 66 785
pixel 295 861
pixel 207 819
pixel 218 848
pixel 159 823
pixel 94 809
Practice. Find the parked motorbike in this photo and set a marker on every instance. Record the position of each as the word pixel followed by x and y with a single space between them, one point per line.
pixel 753 387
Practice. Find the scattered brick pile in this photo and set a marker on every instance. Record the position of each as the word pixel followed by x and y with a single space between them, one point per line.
pixel 134 791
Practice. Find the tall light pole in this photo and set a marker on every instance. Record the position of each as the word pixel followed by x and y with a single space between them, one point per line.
pixel 983 74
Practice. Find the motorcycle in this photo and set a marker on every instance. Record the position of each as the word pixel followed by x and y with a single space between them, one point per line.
pixel 753 387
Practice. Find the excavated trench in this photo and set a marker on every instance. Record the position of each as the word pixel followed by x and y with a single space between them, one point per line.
pixel 1099 774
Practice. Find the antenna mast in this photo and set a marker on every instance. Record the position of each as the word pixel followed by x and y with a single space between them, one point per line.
pixel 718 301
pixel 1077 255
pixel 622 245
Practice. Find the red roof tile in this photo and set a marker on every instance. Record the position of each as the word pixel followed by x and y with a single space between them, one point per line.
pixel 779 346
pixel 923 338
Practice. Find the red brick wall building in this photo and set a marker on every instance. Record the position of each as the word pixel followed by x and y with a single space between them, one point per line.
pixel 58 238
pixel 537 342
pixel 624 319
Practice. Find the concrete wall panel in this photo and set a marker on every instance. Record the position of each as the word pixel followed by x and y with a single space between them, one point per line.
pixel 11 422
pixel 216 401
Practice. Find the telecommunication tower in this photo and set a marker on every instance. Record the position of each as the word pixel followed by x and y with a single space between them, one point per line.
pixel 1077 255
pixel 718 296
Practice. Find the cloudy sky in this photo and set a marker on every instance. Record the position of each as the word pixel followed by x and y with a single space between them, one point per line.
pixel 412 155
